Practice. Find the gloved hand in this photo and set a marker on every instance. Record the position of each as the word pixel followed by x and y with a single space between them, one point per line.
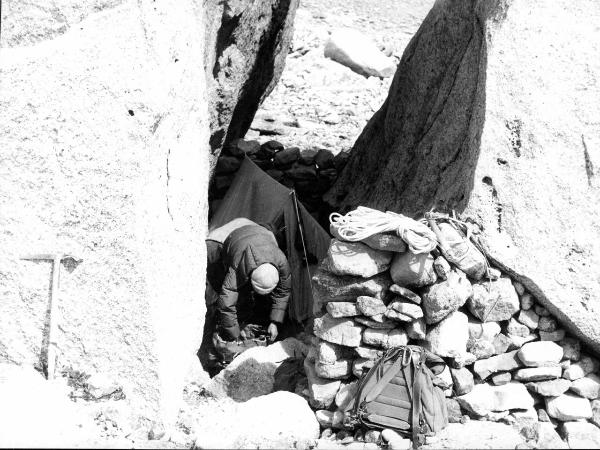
pixel 273 331
pixel 251 331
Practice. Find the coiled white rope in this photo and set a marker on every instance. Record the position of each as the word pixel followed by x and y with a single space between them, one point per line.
pixel 364 222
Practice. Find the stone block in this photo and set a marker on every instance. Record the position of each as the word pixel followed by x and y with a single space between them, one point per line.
pixel 551 388
pixel 588 386
pixel 581 434
pixel 329 287
pixel 342 309
pixel 446 296
pixel 493 301
pixel 449 337
pixel 536 354
pixel 501 363
pixel 385 338
pixel 338 331
pixel 568 406
pixel 538 373
pixel 370 306
pixel 357 259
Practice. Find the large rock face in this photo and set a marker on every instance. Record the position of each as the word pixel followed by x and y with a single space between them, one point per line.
pixel 247 43
pixel 104 132
pixel 493 112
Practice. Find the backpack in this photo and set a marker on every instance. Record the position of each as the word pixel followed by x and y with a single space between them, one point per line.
pixel 398 393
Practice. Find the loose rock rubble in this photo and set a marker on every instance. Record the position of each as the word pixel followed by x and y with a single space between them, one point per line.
pixel 510 361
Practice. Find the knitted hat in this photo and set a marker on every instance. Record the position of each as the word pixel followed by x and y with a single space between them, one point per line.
pixel 264 278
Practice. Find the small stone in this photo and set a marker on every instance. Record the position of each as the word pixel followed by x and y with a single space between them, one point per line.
pixel 501 363
pixel 536 354
pixel 543 415
pixel 463 360
pixel 329 419
pixel 541 311
pixel 338 331
pixel 370 322
pixel 328 287
pixel 595 412
pixel 568 407
pixel 442 267
pixel 370 306
pixel 565 364
pixel 526 302
pixel 322 391
pixel 344 399
pixel 512 395
pixel 338 370
pixel 385 338
pixel 356 259
pixel 515 328
pixel 446 296
pixel 395 441
pixel 417 329
pixel 405 293
pixel 327 433
pixel 588 386
pixel 581 434
pixel 529 318
pixel 501 344
pixel 493 301
pixel 552 388
pixel 328 353
pixel 538 373
pixel 581 368
pixel 408 309
pixel 554 336
pixel 518 287
pixel 342 309
pixel 483 330
pixel 462 380
pixel 571 348
pixel 501 378
pixel 269 149
pixel 361 366
pixel 412 270
pixel 449 337
pixel 479 401
pixel 482 349
pixel 368 352
pixel 372 436
pixel 286 158
pixel 548 438
pixel 517 342
pixel 395 315
pixel 454 411
pixel 547 324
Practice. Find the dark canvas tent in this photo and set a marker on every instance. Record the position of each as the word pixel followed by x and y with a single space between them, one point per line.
pixel 256 196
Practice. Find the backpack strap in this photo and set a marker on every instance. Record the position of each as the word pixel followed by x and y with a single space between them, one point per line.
pixel 417 435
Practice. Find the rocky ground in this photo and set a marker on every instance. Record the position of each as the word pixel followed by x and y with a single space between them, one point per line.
pixel 319 103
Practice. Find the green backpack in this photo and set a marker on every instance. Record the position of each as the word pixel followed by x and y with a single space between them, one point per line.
pixel 398 393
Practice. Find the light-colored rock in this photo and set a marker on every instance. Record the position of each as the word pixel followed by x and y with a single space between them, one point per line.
pixel 338 370
pixel 462 380
pixel 372 436
pixel 501 344
pixel 483 330
pixel 398 316
pixel 551 388
pixel 445 297
pixel 581 434
pixel 405 293
pixel 571 348
pixel 568 406
pixel 251 374
pixel 345 396
pixel 529 318
pixel 356 259
pixel 370 306
pixel 538 373
pixel 361 366
pixel 342 309
pixel 83 173
pixel 548 438
pixel 501 378
pixel 536 354
pixel 328 353
pixel 515 328
pixel 395 441
pixel 581 368
pixel 417 329
pixel 463 360
pixel 408 309
pixel 333 288
pixel 338 331
pixel 449 337
pixel 588 386
pixel 385 338
pixel 322 391
pixel 482 349
pixel 517 342
pixel 547 324
pixel 512 395
pixel 442 267
pixel 329 419
pixel 368 352
pixel 412 270
pixel 369 322
pixel 501 363
pixel 358 52
pixel 493 301
pixel 479 401
pixel 595 412
pixel 98 385
pixel 553 336
pixel 276 420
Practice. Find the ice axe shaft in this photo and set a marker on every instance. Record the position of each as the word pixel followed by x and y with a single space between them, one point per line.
pixel 51 349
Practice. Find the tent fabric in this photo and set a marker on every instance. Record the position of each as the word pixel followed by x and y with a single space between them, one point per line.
pixel 256 196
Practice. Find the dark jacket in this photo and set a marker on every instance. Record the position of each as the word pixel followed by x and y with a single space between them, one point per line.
pixel 243 251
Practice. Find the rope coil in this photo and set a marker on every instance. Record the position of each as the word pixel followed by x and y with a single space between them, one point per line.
pixel 364 222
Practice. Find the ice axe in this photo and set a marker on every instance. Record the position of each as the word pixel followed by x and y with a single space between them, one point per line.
pixel 56 259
